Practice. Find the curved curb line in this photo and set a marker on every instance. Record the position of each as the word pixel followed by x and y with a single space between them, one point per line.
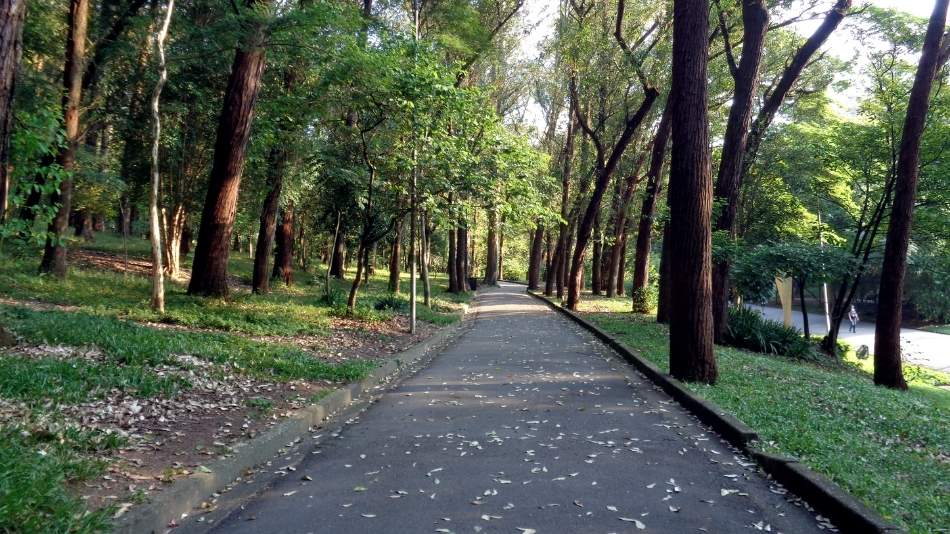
pixel 183 495
pixel 847 514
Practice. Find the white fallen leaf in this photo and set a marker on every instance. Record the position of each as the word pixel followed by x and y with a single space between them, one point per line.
pixel 289 493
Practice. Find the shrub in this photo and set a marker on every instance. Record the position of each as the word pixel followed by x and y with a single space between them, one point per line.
pixel 749 330
pixel 391 301
pixel 645 299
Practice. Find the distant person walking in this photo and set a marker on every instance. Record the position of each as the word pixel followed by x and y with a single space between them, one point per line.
pixel 853 317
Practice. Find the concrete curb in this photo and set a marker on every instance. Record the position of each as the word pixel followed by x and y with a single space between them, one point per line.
pixel 823 495
pixel 183 495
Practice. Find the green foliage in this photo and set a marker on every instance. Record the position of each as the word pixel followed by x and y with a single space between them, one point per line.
pixel 645 299
pixel 747 329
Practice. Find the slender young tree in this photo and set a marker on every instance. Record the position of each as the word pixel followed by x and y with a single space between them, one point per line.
pixel 641 261
pixel 12 14
pixel 209 272
pixel 690 198
pixel 755 21
pixel 155 228
pixel 887 349
pixel 54 254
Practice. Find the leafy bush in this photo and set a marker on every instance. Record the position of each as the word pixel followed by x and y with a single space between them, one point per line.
pixel 749 330
pixel 644 300
pixel 391 301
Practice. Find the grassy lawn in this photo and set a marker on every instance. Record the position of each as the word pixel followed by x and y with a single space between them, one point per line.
pixel 887 448
pixel 940 329
pixel 92 338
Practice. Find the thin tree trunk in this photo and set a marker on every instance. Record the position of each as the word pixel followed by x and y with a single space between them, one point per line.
pixel 12 15
pixel 172 238
pixel 663 291
pixel 887 351
pixel 491 255
pixel 426 239
pixel 54 254
pixel 260 282
pixel 461 258
pixel 567 161
pixel 284 235
pixel 450 262
pixel 394 271
pixel 801 299
pixel 158 279
pixel 755 20
pixel 596 267
pixel 209 272
pixel 690 197
pixel 330 256
pixel 621 269
pixel 641 262
pixel 605 169
pixel 535 257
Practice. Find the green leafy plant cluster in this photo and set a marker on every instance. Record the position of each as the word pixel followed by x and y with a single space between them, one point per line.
pixel 747 329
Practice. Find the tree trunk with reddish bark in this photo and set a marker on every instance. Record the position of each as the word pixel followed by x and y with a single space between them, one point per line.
pixel 755 20
pixel 887 351
pixel 644 245
pixel 12 15
pixel 492 252
pixel 209 272
pixel 260 282
pixel 535 257
pixel 665 282
pixel 54 254
pixel 690 198
pixel 284 237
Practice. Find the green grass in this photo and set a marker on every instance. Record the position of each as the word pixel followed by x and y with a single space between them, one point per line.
pixel 35 468
pixel 135 346
pixel 887 448
pixel 939 329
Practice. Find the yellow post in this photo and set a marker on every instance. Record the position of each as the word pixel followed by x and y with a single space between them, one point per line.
pixel 784 287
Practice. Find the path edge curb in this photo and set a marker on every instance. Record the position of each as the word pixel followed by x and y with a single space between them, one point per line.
pixel 846 512
pixel 161 511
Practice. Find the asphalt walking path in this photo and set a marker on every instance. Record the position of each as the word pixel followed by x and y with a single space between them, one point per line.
pixel 525 424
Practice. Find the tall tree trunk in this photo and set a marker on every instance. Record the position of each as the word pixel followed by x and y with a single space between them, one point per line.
pixel 54 254
pixel 426 239
pixel 755 20
pixel 887 351
pixel 663 291
pixel 604 171
pixel 284 235
pixel 596 262
pixel 394 271
pixel 621 268
pixel 268 222
pixel 173 238
pixel 690 197
pixel 12 14
pixel 491 256
pixel 461 258
pixel 801 299
pixel 158 275
pixel 338 263
pixel 450 262
pixel 209 272
pixel 641 261
pixel 535 257
pixel 615 258
pixel 555 273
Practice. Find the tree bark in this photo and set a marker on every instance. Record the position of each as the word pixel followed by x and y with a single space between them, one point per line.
pixel 268 222
pixel 615 258
pixel 394 270
pixel 887 352
pixel 604 172
pixel 641 262
pixel 155 217
pixel 801 299
pixel 450 261
pixel 596 260
pixel 461 258
pixel 12 15
pixel 209 272
pixel 663 289
pixel 175 238
pixel 555 275
pixel 690 197
pixel 535 257
pixel 491 255
pixel 284 236
pixel 54 254
pixel 755 20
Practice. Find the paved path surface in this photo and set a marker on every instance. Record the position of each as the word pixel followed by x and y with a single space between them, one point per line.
pixel 525 424
pixel 921 347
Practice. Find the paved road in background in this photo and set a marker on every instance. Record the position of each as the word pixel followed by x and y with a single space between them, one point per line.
pixel 928 349
pixel 525 424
